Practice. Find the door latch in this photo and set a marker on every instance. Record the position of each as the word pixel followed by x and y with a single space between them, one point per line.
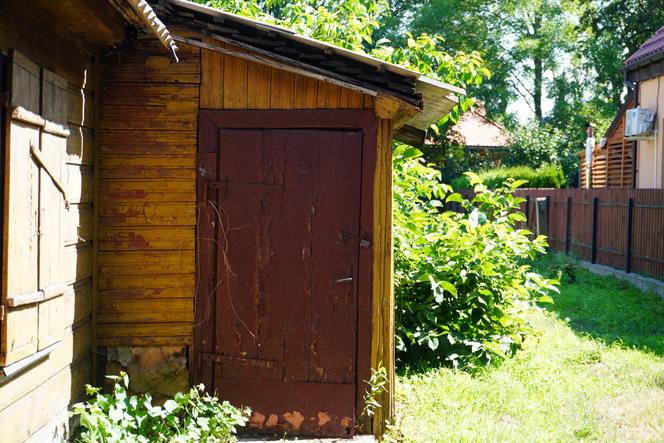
pixel 365 242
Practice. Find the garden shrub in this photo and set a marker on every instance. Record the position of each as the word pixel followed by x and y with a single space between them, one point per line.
pixel 537 145
pixel 189 417
pixel 547 176
pixel 461 278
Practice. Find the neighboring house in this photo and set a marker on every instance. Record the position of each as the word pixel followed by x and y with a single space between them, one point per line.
pixel 193 196
pixel 612 159
pixel 481 137
pixel 627 156
pixel 645 69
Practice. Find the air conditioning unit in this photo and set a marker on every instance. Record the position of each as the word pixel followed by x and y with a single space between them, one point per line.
pixel 639 122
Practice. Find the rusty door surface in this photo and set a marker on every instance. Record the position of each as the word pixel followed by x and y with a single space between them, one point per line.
pixel 282 210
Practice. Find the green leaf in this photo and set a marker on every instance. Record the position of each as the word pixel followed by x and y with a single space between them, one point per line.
pixel 545 299
pixel 170 405
pixel 455 197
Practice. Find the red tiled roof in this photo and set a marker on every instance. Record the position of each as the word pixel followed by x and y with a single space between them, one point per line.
pixel 475 130
pixel 654 46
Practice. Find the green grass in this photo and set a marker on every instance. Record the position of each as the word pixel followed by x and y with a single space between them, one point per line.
pixel 594 372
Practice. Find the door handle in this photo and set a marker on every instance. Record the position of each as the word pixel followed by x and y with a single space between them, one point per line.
pixel 344 280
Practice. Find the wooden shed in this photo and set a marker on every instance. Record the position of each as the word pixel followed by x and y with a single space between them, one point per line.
pixel 193 196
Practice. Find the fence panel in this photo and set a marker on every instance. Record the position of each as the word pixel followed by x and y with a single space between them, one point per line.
pixel 621 227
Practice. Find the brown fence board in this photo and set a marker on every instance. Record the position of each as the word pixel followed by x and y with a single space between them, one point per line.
pixel 647 242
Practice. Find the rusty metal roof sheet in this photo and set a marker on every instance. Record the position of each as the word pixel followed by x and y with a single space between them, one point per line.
pixel 432 97
pixel 651 50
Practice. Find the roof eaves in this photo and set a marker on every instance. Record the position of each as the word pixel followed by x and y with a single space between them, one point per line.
pixel 438 98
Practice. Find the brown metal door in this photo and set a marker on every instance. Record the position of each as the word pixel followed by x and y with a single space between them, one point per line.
pixel 283 216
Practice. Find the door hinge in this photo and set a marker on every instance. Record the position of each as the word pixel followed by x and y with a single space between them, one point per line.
pixel 2 312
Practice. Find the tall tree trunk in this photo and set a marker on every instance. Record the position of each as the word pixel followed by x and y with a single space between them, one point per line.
pixel 538 65
pixel 537 92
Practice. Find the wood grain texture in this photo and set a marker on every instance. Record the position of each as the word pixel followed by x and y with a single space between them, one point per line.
pixel 648 229
pixel 47 245
pixel 228 82
pixel 382 346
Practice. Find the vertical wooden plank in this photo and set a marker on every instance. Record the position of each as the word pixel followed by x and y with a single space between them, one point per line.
pixel 282 91
pixel 305 92
pixel 328 95
pixel 212 77
pixel 568 223
pixel 51 207
pixel 54 97
pixel 595 214
pixel 258 86
pixel 235 83
pixel 26 83
pixel 22 211
pixel 382 349
pixel 349 99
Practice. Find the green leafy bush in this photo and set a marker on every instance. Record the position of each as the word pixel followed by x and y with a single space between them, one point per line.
pixel 538 145
pixel 119 417
pixel 460 277
pixel 547 176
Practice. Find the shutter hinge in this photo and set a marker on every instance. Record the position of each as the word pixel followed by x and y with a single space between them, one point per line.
pixel 2 312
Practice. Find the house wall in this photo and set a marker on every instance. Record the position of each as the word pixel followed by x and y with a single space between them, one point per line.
pixel 650 156
pixel 47 257
pixel 148 196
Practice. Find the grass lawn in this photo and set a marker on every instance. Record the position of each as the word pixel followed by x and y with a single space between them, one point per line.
pixel 594 372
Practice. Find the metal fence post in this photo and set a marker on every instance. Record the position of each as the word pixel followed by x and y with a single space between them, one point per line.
pixel 568 223
pixel 630 229
pixel 593 255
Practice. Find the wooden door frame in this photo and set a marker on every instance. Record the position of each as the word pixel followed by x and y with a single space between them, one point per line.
pixel 210 122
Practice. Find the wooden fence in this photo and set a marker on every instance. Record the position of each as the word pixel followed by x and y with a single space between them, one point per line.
pixel 621 228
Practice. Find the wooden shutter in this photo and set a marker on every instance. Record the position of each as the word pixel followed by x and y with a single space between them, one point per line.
pixel 34 212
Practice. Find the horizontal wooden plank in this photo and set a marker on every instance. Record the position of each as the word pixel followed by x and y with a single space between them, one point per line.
pixel 146 341
pixel 120 141
pixel 123 310
pixel 144 330
pixel 75 344
pixel 35 409
pixel 151 64
pixel 146 214
pixel 182 284
pixel 148 94
pixel 148 166
pixel 178 238
pixel 147 191
pixel 147 263
pixel 179 116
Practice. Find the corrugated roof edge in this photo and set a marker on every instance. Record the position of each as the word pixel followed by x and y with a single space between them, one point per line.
pixel 154 24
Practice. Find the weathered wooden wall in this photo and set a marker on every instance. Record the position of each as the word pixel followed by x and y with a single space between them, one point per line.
pixel 147 214
pixel 48 248
pixel 232 83
pixel 382 349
